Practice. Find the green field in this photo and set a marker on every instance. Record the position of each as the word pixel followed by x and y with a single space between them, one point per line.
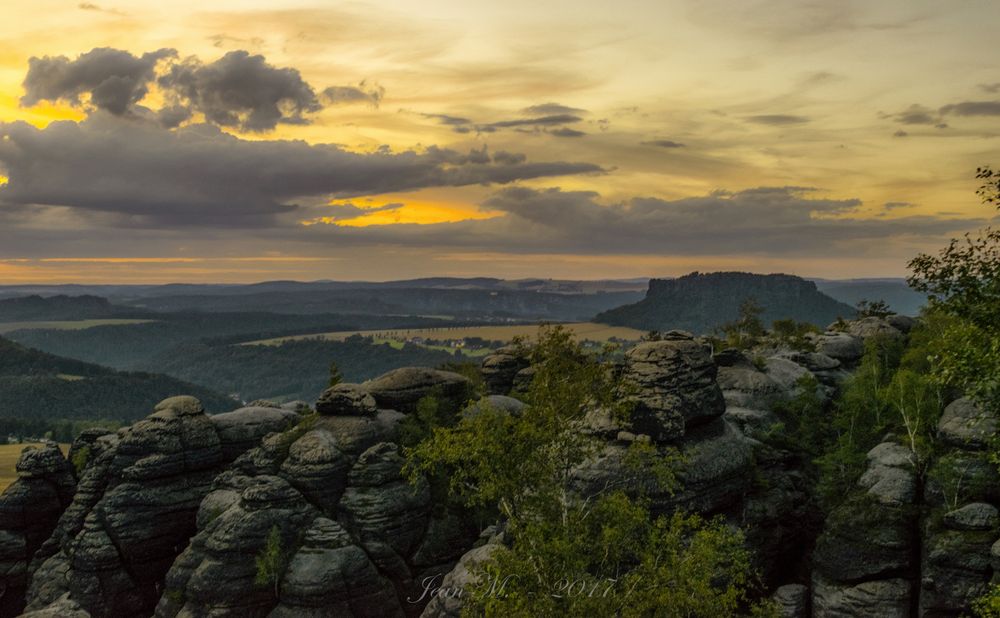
pixel 9 454
pixel 584 331
pixel 7 327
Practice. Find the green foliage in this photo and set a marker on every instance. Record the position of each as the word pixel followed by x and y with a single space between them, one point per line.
pixel 80 459
pixel 793 334
pixel 615 560
pixel 747 328
pixel 805 423
pixel 471 371
pixel 873 309
pixel 335 376
pixel 963 281
pixel 988 605
pixel 271 561
pixel 570 554
pixel 861 416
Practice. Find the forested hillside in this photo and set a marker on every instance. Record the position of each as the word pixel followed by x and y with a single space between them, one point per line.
pixel 292 370
pixel 39 390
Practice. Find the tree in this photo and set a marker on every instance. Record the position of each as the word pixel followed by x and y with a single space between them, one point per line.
pixel 567 553
pixel 747 328
pixel 335 375
pixel 873 309
pixel 963 281
pixel 271 561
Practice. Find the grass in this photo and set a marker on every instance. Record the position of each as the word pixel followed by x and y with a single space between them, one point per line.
pixel 8 327
pixel 9 454
pixel 584 331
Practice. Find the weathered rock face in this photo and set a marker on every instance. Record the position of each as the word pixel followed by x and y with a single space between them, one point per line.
pixel 843 347
pixel 869 327
pixel 501 368
pixel 865 559
pixel 136 505
pixel 966 425
pixel 29 510
pixel 357 537
pixel 962 495
pixel 675 386
pixel 401 389
pixel 242 429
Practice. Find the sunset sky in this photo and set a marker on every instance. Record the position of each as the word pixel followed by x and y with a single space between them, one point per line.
pixel 253 140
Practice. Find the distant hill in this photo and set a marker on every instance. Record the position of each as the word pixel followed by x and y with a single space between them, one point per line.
pixel 702 302
pixel 900 297
pixel 61 307
pixel 35 385
pixel 460 302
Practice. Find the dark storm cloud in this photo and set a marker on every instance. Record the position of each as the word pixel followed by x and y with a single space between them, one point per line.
pixel 348 211
pixel 662 143
pixel 973 108
pixel 778 119
pixel 566 132
pixel 990 88
pixel 549 109
pixel 115 80
pixel 370 94
pixel 540 121
pixel 916 114
pixel 200 176
pixel 241 90
pixel 900 133
pixel 767 220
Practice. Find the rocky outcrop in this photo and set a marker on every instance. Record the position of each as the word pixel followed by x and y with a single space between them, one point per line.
pixel 675 387
pixel 29 510
pixel 500 369
pixel 356 537
pixel 136 506
pixel 866 557
pixel 401 389
pixel 961 495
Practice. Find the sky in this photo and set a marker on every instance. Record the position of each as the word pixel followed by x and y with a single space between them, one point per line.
pixel 251 140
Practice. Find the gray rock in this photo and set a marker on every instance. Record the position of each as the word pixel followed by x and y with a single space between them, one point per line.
pixel 346 400
pixel 401 389
pixel 890 478
pixel 675 387
pixel 869 327
pixel 751 422
pixel 500 368
pixel 135 509
pixel 747 387
pixel 29 511
pixel 318 469
pixel 448 592
pixel 902 323
pixel 496 403
pixel 330 576
pixel 975 516
pixel 843 347
pixel 889 598
pixel 241 430
pixel 955 570
pixel 966 425
pixel 792 601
